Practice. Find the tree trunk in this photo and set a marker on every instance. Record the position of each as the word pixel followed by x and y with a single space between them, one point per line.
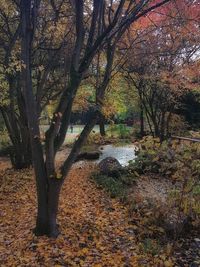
pixel 20 152
pixel 19 158
pixel 53 201
pixel 46 223
pixel 162 127
pixel 102 126
pixel 168 123
pixel 141 121
pixel 42 183
pixel 155 126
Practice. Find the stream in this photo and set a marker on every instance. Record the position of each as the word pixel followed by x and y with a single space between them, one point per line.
pixel 122 153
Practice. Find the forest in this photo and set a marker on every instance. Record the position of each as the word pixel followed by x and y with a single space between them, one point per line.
pixel 100 133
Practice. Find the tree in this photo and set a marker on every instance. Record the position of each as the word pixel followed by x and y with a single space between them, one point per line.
pixel 109 20
pixel 155 63
pixel 16 122
pixel 190 102
pixel 48 69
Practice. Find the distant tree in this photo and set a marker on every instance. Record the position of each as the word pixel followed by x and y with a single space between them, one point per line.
pixel 190 102
pixel 154 64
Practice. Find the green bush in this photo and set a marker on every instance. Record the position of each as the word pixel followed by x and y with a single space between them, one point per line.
pixel 117 187
pixel 119 130
pixel 123 131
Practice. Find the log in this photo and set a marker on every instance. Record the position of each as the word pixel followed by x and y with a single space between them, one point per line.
pixel 88 156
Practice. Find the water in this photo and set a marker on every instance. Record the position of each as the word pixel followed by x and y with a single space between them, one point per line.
pixel 71 136
pixel 122 153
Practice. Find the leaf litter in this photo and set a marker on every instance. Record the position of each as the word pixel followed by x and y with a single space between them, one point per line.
pixel 95 229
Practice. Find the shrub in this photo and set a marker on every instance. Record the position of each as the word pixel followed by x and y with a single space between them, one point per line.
pixel 4 142
pixel 117 187
pixel 178 125
pixel 151 246
pixel 136 131
pixel 177 161
pixel 113 186
pixel 119 130
pixel 94 138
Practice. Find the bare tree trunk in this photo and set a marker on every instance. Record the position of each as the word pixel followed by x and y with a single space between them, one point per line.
pixel 162 127
pixel 102 126
pixel 20 152
pixel 168 123
pixel 27 14
pixel 53 201
pixel 46 223
pixel 141 120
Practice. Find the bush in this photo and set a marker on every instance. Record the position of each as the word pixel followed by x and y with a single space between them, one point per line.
pixel 97 139
pixel 178 125
pixel 117 187
pixel 168 158
pixel 4 142
pixel 119 130
pixel 136 131
pixel 94 138
pixel 177 161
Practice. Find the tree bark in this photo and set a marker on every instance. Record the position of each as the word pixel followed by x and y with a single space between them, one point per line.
pixel 28 19
pixel 46 223
pixel 53 201
pixel 20 153
pixel 102 126
pixel 141 121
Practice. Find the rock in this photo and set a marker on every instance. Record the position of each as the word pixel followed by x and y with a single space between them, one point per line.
pixel 110 166
pixel 197 240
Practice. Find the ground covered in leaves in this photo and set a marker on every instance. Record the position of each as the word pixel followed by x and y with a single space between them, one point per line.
pixel 95 229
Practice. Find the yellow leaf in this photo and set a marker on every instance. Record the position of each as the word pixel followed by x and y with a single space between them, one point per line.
pixel 84 250
pixel 59 176
pixel 168 263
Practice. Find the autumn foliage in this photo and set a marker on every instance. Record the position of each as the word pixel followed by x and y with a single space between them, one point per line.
pixel 107 58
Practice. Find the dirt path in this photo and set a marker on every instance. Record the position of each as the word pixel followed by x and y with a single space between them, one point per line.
pixel 94 228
